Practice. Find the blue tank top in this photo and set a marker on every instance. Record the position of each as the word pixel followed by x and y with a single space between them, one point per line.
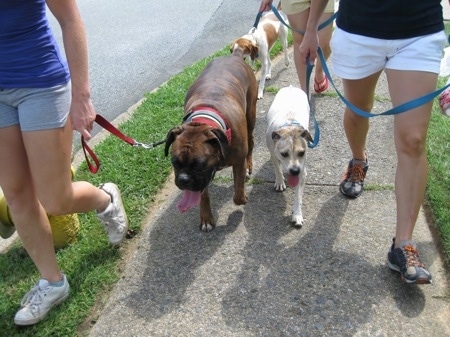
pixel 29 54
pixel 390 19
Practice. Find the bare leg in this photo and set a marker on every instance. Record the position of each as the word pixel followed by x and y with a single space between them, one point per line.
pixel 298 23
pixel 37 170
pixel 324 42
pixel 410 131
pixel 361 94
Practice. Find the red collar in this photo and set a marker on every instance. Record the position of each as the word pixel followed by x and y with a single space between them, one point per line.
pixel 209 116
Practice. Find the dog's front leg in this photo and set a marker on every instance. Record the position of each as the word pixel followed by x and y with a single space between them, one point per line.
pixel 279 185
pixel 297 214
pixel 239 174
pixel 207 223
pixel 265 73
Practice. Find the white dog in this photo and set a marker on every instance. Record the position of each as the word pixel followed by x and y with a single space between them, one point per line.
pixel 287 138
pixel 258 43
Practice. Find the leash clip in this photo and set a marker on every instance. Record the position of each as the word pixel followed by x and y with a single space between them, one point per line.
pixel 143 145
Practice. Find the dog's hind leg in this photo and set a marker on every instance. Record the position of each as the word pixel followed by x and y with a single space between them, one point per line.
pixel 284 43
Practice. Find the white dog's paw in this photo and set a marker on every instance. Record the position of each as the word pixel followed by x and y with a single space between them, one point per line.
pixel 297 220
pixel 268 76
pixel 280 186
pixel 260 96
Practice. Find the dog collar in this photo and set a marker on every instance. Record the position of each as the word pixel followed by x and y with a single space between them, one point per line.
pixel 291 122
pixel 209 116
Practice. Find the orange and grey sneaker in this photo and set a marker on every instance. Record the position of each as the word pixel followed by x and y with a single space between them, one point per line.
pixel 405 260
pixel 352 182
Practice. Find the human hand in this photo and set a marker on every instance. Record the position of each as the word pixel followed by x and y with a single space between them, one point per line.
pixel 82 115
pixel 309 46
pixel 265 5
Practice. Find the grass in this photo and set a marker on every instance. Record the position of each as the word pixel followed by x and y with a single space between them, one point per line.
pixel 93 267
pixel 438 187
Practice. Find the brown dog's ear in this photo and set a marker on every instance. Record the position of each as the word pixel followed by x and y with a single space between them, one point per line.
pixel 305 134
pixel 171 135
pixel 220 138
pixel 253 51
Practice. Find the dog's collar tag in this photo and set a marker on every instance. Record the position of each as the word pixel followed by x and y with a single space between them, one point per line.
pixel 209 116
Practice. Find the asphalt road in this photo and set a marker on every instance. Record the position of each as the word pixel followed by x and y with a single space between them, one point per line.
pixel 135 45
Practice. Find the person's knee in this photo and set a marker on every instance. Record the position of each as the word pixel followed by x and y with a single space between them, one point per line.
pixel 411 145
pixel 57 205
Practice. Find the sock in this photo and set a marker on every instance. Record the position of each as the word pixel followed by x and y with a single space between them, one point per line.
pixel 57 284
pixel 404 243
pixel 363 163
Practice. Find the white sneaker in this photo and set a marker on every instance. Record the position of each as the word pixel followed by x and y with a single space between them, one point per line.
pixel 39 300
pixel 114 217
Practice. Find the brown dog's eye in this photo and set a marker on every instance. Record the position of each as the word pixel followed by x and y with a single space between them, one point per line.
pixel 284 154
pixel 301 154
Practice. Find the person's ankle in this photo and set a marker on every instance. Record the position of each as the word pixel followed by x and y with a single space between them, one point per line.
pixel 402 243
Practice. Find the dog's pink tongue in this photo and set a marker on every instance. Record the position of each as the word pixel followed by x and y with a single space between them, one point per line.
pixel 189 200
pixel 292 180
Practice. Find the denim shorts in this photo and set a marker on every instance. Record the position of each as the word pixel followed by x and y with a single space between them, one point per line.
pixel 35 109
pixel 355 56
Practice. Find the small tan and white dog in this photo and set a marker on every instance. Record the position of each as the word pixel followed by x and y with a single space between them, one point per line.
pixel 258 43
pixel 287 138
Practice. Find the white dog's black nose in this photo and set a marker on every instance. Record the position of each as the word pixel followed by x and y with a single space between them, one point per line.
pixel 295 171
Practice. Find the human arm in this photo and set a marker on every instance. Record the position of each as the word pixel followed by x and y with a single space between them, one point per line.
pixel 265 5
pixel 310 42
pixel 82 112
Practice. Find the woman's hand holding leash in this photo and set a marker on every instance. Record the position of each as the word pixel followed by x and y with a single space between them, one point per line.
pixel 82 115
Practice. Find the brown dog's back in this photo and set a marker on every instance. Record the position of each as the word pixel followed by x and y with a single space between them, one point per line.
pixel 225 80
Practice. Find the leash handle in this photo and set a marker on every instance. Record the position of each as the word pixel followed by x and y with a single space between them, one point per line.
pixel 100 120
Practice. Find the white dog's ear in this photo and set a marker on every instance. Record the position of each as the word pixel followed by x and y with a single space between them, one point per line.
pixel 306 135
pixel 253 51
pixel 275 136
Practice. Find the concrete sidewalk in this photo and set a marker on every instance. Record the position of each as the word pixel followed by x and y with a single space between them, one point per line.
pixel 256 275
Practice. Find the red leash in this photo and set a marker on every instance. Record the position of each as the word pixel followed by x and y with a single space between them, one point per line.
pixel 100 120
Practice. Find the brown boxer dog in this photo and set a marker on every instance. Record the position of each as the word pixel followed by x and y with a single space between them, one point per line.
pixel 217 132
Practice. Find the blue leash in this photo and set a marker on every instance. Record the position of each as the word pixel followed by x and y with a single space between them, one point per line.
pixel 258 17
pixel 396 110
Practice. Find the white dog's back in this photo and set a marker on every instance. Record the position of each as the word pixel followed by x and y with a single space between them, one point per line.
pixel 290 103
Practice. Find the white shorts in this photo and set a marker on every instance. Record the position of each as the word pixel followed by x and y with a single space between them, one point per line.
pixel 355 56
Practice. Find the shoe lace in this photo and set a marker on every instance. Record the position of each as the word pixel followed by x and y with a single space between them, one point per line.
pixel 33 298
pixel 355 173
pixel 412 257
